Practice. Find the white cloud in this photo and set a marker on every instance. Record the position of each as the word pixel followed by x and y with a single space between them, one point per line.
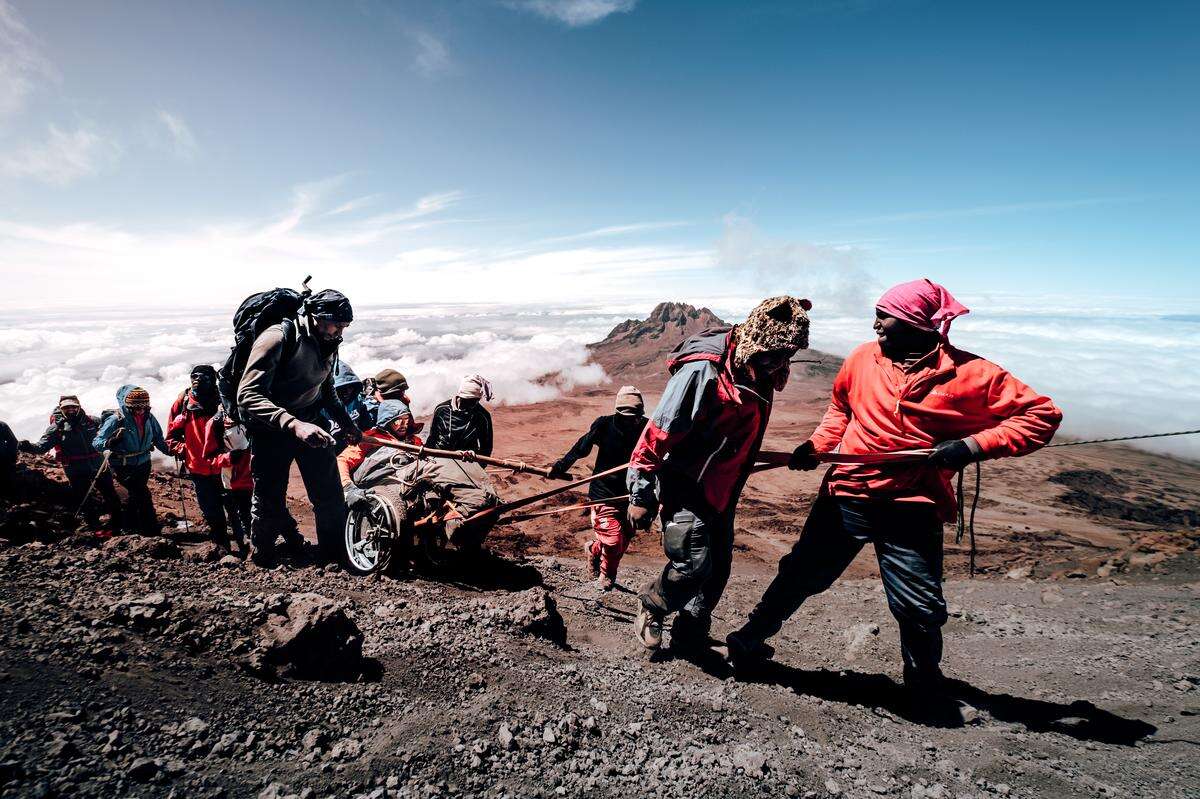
pixel 65 156
pixel 992 210
pixel 22 64
pixel 177 137
pixel 433 57
pixel 830 275
pixel 574 13
pixel 93 354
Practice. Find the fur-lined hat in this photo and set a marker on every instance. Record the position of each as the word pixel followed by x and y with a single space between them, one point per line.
pixel 778 323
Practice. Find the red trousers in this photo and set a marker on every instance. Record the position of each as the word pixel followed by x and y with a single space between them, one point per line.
pixel 613 534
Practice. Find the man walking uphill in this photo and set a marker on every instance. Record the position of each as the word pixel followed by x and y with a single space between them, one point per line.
pixel 70 435
pixel 695 454
pixel 614 436
pixel 910 389
pixel 287 383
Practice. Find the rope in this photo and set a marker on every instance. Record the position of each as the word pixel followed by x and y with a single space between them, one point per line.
pixel 1122 438
pixel 970 524
pixel 580 506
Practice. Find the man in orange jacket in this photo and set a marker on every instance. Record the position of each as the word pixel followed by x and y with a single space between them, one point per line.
pixel 910 389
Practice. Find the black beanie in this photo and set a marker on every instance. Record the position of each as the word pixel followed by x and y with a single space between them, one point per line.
pixel 332 305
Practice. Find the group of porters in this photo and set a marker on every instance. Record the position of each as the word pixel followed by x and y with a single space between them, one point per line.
pixel 283 397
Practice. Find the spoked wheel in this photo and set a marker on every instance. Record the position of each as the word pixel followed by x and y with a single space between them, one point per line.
pixel 371 531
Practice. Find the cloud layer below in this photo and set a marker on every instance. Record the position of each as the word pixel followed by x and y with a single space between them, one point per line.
pixel 1112 374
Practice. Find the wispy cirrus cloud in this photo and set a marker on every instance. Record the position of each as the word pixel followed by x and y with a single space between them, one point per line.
pixel 175 136
pixel 992 210
pixel 433 56
pixel 22 63
pixel 573 13
pixel 64 157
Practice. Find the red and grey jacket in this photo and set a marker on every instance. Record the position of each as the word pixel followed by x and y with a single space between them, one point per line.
pixel 187 432
pixel 708 426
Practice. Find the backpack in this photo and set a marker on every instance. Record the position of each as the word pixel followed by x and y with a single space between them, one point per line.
pixel 256 313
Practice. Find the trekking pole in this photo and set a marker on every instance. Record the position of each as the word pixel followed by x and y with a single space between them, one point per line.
pixel 543 495
pixel 459 455
pixel 182 507
pixel 100 471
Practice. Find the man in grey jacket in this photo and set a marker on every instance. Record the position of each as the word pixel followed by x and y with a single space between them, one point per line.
pixel 288 381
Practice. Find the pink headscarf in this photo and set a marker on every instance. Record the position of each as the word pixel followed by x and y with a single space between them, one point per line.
pixel 923 304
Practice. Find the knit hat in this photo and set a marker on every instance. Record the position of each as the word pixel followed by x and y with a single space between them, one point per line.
pixel 629 401
pixel 778 323
pixel 137 398
pixel 391 383
pixel 69 401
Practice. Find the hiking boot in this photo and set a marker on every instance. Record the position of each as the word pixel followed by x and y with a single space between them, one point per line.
pixel 605 583
pixel 591 555
pixel 648 628
pixel 689 632
pixel 745 653
pixel 928 700
pixel 263 557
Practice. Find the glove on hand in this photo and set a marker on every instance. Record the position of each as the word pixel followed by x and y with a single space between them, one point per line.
pixel 353 435
pixel 952 455
pixel 355 496
pixel 804 458
pixel 558 471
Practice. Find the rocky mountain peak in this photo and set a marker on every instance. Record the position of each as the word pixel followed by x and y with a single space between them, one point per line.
pixel 676 320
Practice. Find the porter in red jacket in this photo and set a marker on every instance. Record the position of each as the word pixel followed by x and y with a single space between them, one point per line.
pixel 910 389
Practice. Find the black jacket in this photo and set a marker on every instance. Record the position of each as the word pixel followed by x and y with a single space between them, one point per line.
pixel 72 439
pixel 467 428
pixel 615 443
pixel 8 447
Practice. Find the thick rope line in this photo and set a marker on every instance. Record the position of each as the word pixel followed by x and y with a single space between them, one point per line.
pixel 1122 438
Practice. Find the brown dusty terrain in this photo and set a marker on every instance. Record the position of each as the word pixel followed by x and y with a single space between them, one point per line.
pixel 127 667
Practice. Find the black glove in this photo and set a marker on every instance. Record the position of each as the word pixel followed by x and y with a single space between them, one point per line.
pixel 952 455
pixel 558 471
pixel 27 447
pixel 804 458
pixel 355 496
pixel 353 435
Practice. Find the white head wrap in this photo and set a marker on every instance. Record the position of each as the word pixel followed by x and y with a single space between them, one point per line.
pixel 475 387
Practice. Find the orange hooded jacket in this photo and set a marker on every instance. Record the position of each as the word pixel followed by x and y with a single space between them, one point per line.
pixel 879 406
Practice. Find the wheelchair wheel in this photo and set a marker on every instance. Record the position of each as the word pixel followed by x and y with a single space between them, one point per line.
pixel 371 532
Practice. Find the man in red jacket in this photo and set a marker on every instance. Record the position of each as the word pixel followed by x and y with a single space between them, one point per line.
pixel 909 389
pixel 694 456
pixel 187 437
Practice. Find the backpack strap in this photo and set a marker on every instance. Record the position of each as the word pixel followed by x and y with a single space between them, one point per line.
pixel 291 341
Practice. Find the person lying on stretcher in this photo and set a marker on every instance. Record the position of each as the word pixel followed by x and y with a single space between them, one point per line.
pixel 431 497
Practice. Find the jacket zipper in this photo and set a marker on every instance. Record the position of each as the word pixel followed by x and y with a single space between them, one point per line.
pixel 708 460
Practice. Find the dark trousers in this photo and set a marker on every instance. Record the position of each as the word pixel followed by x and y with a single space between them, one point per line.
pixel 698 543
pixel 237 510
pixel 79 477
pixel 210 497
pixel 273 452
pixel 908 545
pixel 139 514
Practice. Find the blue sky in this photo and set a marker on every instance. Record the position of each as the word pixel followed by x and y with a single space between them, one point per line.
pixel 602 151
